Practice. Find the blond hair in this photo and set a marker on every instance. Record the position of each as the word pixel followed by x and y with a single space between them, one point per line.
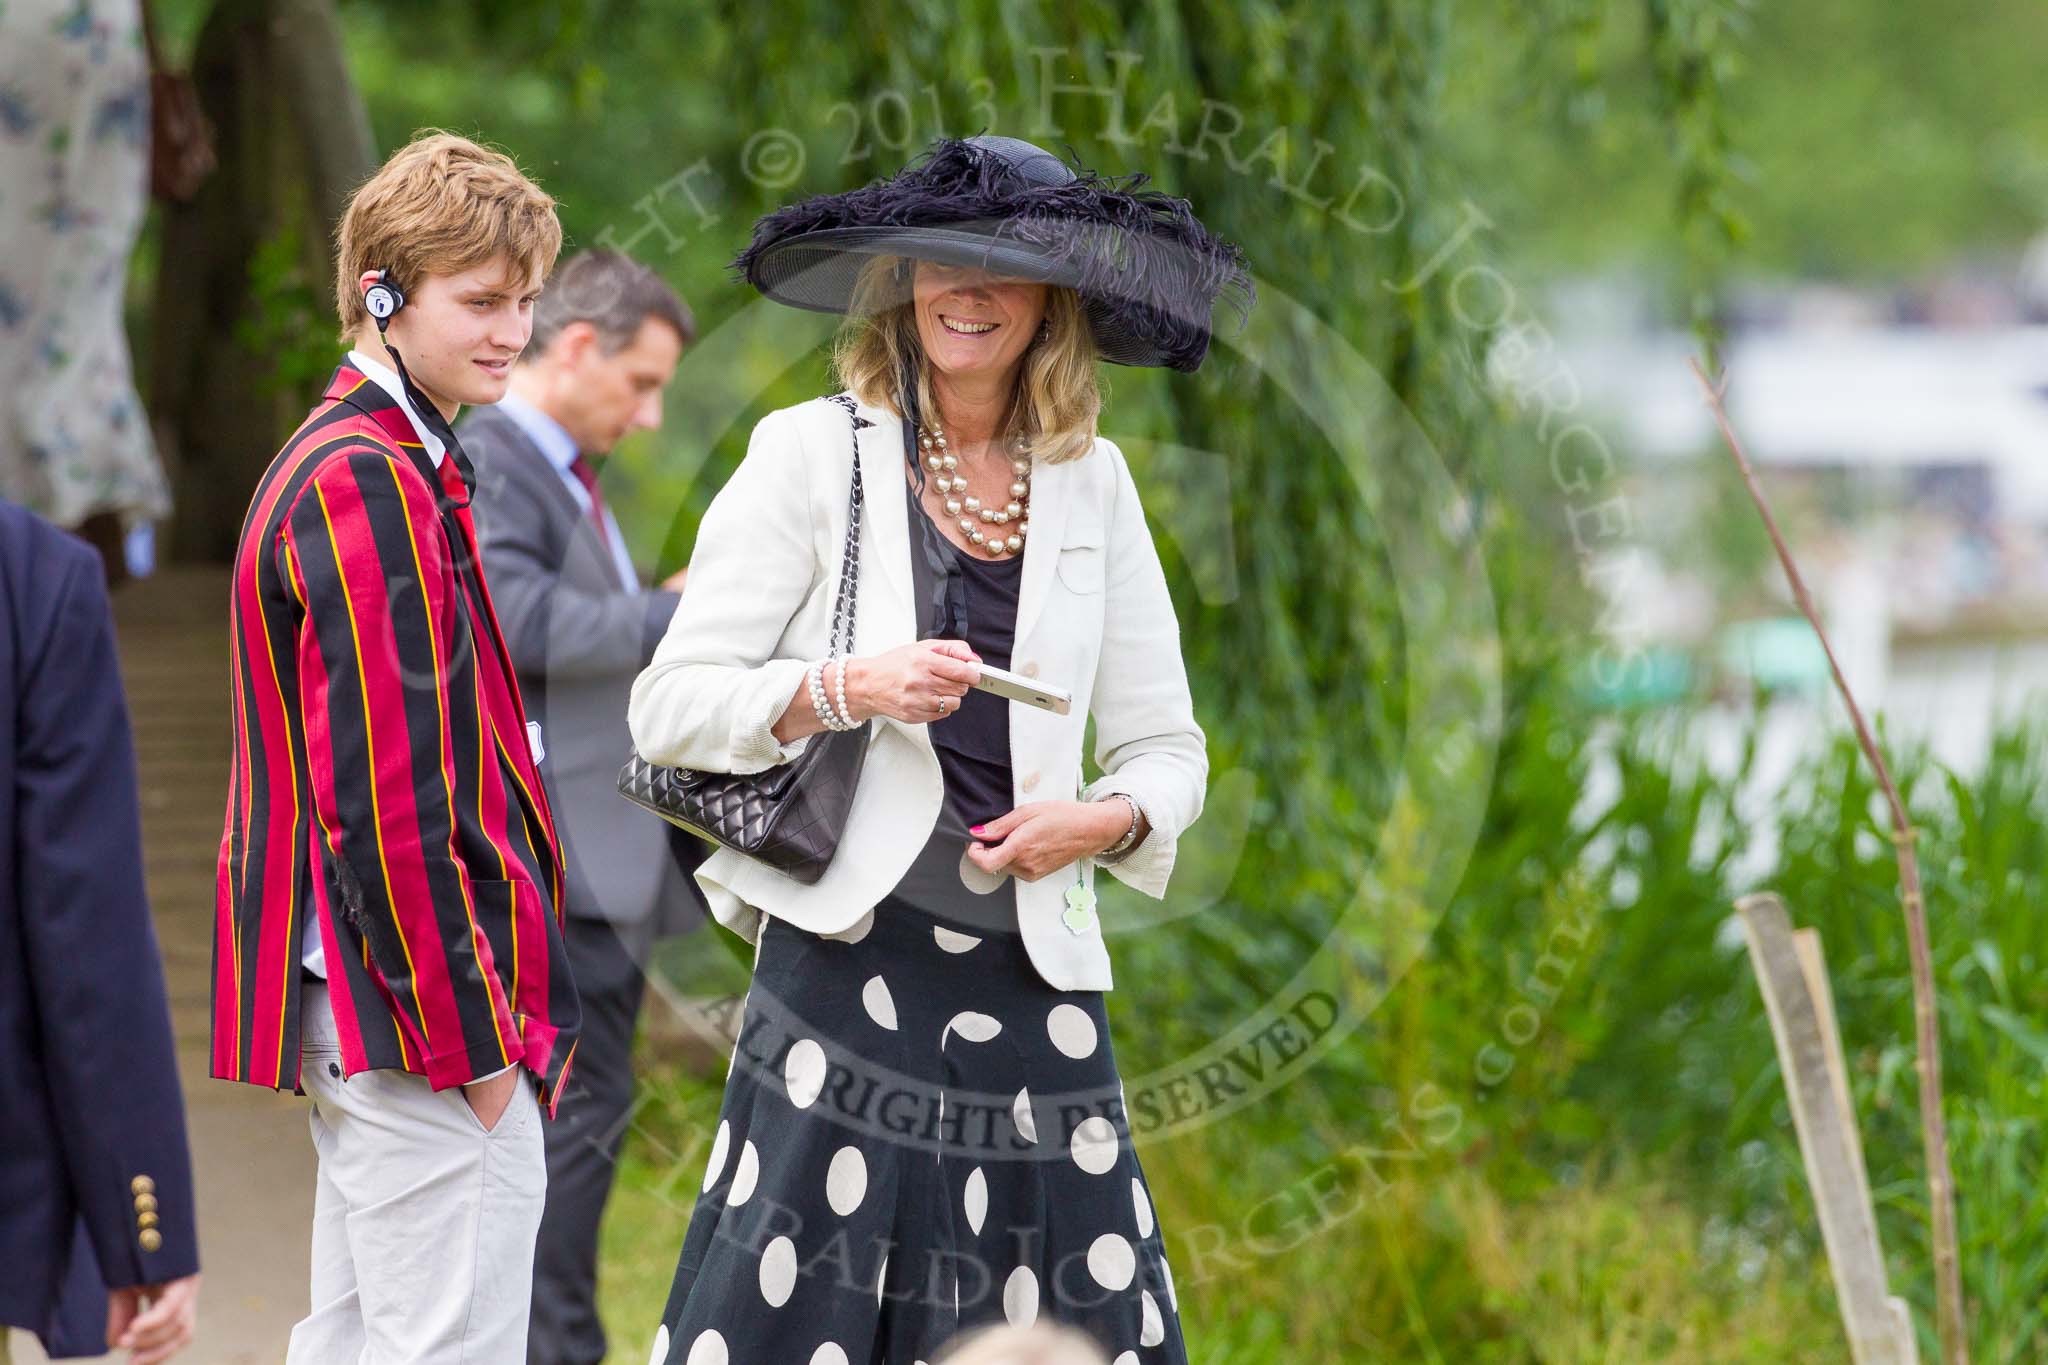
pixel 1058 395
pixel 1039 1344
pixel 442 204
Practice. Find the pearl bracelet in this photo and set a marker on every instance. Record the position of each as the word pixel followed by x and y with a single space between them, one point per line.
pixel 839 687
pixel 815 679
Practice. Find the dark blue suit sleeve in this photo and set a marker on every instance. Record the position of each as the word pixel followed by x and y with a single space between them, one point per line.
pixel 92 952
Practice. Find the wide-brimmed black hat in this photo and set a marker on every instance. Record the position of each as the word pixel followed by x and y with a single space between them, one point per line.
pixel 1148 273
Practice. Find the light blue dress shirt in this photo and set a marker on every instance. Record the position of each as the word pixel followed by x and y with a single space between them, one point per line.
pixel 559 446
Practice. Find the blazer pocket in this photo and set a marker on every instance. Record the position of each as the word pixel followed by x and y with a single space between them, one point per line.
pixel 1081 567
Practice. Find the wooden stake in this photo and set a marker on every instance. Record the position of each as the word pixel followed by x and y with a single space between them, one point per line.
pixel 1793 980
pixel 1941 1201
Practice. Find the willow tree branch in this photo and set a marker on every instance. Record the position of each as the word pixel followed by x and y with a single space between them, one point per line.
pixel 1948 1284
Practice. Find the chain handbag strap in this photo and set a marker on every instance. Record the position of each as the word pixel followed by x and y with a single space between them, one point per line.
pixel 849 565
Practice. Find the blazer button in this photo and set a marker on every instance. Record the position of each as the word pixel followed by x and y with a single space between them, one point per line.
pixel 142 1184
pixel 145 1203
pixel 151 1239
pixel 1030 781
pixel 1030 670
pixel 145 1220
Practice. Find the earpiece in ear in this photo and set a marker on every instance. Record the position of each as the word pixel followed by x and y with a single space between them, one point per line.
pixel 383 298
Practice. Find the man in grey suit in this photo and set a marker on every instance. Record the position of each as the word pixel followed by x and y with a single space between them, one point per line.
pixel 607 333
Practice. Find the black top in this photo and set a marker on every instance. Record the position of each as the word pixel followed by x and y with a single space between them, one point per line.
pixel 973 742
pixel 962 597
pixel 966 597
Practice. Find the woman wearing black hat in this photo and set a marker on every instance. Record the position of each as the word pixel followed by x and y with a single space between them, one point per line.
pixel 924 1126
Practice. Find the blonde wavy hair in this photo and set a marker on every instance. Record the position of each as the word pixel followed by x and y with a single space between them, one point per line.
pixel 1058 395
pixel 441 205
pixel 1039 1344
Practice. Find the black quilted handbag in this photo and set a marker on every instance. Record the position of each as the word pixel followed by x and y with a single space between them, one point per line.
pixel 789 816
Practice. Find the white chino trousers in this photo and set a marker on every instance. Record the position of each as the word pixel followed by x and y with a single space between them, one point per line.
pixel 423 1220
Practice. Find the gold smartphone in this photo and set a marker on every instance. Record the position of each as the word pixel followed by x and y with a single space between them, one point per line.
pixel 1030 691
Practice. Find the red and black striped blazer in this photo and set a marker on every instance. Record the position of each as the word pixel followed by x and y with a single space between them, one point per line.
pixel 382 778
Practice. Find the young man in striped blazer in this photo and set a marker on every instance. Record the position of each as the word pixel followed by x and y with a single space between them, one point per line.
pixel 389 883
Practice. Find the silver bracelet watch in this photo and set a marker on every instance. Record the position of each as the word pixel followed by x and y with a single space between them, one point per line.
pixel 1122 846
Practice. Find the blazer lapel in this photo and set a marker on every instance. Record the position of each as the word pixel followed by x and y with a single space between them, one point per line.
pixel 885 510
pixel 508 432
pixel 1051 494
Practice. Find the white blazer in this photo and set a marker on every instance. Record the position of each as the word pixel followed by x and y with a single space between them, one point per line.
pixel 1093 616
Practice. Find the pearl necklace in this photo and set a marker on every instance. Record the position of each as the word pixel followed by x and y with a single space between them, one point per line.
pixel 960 503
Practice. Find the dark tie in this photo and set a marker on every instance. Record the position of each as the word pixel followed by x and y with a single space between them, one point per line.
pixel 587 476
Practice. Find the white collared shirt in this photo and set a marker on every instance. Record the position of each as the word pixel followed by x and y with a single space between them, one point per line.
pixel 386 378
pixel 559 446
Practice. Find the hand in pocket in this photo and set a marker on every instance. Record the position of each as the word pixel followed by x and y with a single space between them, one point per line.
pixel 489 1099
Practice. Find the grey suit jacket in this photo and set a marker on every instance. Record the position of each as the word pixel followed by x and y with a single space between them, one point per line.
pixel 578 639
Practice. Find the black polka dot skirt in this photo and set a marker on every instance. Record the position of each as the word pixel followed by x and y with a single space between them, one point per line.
pixel 918 1136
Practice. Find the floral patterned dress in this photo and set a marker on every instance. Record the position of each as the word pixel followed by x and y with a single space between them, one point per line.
pixel 74 146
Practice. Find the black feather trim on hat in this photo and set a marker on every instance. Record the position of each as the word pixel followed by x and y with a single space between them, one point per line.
pixel 1147 271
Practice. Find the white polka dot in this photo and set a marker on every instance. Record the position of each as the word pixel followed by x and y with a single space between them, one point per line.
pixel 744 1176
pixel 659 1356
pixel 954 942
pixel 1020 1297
pixel 856 931
pixel 1111 1261
pixel 881 1005
pixel 974 1027
pixel 778 1272
pixel 976 1199
pixel 1167 1270
pixel 976 878
pixel 846 1182
pixel 719 1145
pixel 1027 1122
pixel 1151 1329
pixel 707 1349
pixel 1143 1207
pixel 1071 1030
pixel 828 1354
pixel 803 1072
pixel 1094 1146
pixel 1127 1358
